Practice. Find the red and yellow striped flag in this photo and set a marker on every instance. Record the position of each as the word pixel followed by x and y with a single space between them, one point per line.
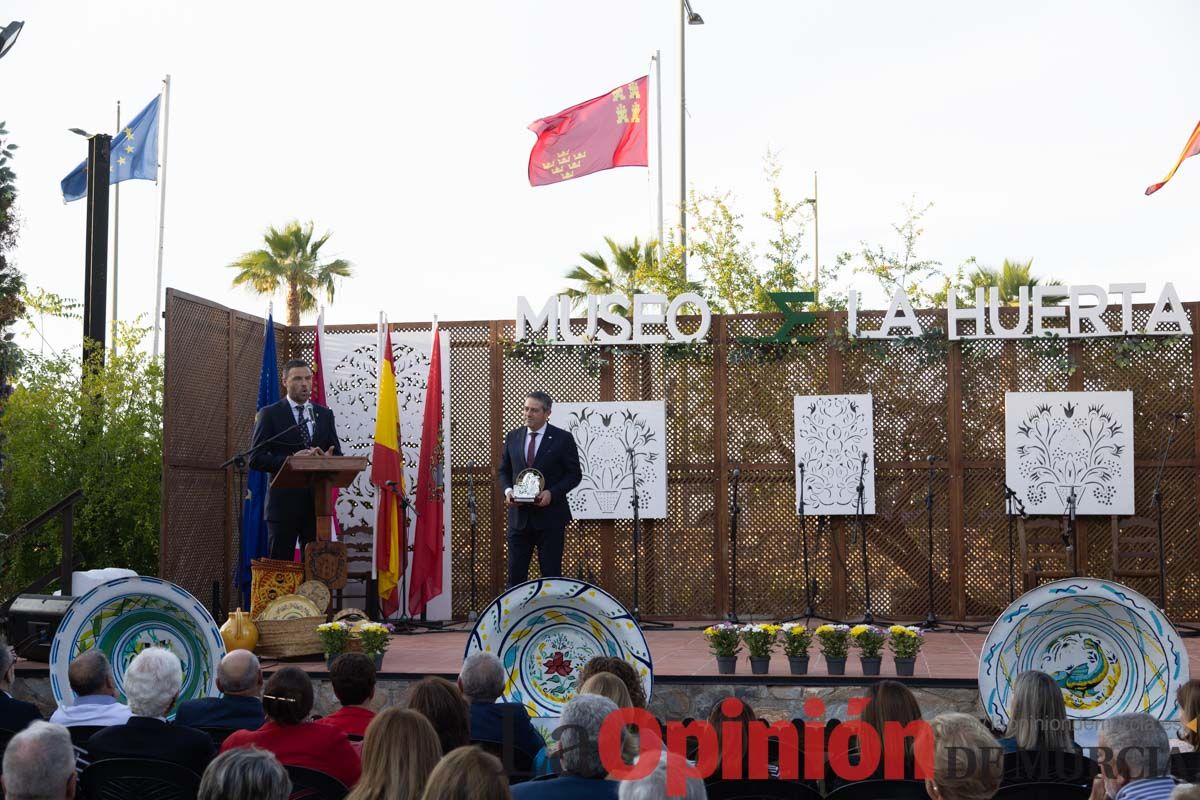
pixel 1190 149
pixel 387 475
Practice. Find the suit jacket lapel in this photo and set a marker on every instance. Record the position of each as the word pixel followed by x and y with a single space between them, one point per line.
pixel 543 445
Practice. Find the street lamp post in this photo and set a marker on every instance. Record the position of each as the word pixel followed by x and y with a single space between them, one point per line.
pixel 686 17
pixel 812 201
pixel 8 36
pixel 95 270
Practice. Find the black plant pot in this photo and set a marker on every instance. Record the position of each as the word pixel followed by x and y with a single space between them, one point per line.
pixel 798 665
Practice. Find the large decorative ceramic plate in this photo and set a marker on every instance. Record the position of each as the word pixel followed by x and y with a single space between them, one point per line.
pixel 545 631
pixel 290 606
pixel 127 615
pixel 1110 649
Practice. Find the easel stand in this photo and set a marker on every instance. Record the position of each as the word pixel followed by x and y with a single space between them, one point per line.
pixel 637 549
pixel 809 611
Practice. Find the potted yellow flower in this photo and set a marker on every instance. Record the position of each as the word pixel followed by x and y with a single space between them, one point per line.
pixel 869 641
pixel 796 641
pixel 905 642
pixel 334 638
pixel 835 644
pixel 760 641
pixel 375 638
pixel 725 641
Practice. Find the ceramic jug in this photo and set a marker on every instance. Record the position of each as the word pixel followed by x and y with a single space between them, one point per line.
pixel 239 632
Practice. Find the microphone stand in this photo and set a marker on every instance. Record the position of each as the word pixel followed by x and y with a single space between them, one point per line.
pixel 406 623
pixel 931 621
pixel 734 511
pixel 1070 536
pixel 809 611
pixel 637 546
pixel 1014 506
pixel 473 522
pixel 868 616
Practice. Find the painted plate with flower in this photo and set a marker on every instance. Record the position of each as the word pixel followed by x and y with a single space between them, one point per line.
pixel 1111 651
pixel 545 631
pixel 125 616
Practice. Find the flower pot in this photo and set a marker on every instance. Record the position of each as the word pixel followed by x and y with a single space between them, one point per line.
pixel 760 665
pixel 904 666
pixel 330 658
pixel 726 665
pixel 798 665
pixel 835 666
pixel 378 659
pixel 870 666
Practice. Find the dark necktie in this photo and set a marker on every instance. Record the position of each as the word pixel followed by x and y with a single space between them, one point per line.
pixel 531 451
pixel 305 438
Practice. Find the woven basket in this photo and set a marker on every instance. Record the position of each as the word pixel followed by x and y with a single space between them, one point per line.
pixel 289 638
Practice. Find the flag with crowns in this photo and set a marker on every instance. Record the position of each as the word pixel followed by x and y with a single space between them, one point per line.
pixel 134 155
pixel 387 476
pixel 430 531
pixel 1190 149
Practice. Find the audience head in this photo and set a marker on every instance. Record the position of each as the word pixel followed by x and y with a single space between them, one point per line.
pixel 1188 697
pixel 353 679
pixel 622 669
pixel 608 685
pixel 152 682
pixel 733 711
pixel 239 674
pixel 654 785
pixel 1140 749
pixel 967 761
pixel 1038 715
pixel 8 661
pixel 468 773
pixel 890 701
pixel 579 735
pixel 399 752
pixel 245 773
pixel 90 674
pixel 444 706
pixel 288 696
pixel 482 678
pixel 39 763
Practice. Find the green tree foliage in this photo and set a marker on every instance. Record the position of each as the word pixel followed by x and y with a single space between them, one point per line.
pixel 291 260
pixel 618 272
pixel 1010 276
pixel 11 281
pixel 101 432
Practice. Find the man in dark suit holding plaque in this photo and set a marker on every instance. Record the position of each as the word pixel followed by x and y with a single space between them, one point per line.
pixel 293 426
pixel 538 451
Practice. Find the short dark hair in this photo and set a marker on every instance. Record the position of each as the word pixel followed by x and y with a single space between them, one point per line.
pixel 88 671
pixel 288 696
pixel 353 678
pixel 295 363
pixel 546 400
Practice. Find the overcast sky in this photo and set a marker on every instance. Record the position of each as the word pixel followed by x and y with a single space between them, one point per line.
pixel 1034 127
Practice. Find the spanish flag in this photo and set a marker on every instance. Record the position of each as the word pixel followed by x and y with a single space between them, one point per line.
pixel 1190 149
pixel 387 475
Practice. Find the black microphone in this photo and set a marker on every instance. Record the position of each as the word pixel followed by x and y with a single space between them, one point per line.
pixel 1175 414
pixel 737 473
pixel 931 459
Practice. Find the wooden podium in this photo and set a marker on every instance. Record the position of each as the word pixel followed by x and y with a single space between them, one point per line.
pixel 322 474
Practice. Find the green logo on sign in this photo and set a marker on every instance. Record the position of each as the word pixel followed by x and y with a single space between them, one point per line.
pixel 791 305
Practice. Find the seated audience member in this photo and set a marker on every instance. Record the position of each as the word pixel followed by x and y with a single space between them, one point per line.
pixel 890 701
pixel 399 753
pixel 96 696
pixel 152 682
pixel 605 684
pixel 583 775
pixel 446 709
pixel 1188 698
pixel 736 712
pixel 966 759
pixel 39 764
pixel 295 741
pixel 468 773
pixel 353 679
pixel 245 774
pixel 1038 716
pixel 623 670
pixel 240 682
pixel 482 682
pixel 14 714
pixel 1137 768
pixel 654 785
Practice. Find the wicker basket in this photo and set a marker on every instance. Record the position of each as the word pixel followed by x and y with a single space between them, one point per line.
pixel 289 638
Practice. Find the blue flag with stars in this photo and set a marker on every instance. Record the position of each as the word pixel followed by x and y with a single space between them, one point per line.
pixel 254 519
pixel 134 155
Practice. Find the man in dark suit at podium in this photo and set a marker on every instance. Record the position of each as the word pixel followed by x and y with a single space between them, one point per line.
pixel 552 452
pixel 293 426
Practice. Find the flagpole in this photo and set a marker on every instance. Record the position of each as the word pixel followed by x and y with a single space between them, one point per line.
pixel 378 493
pixel 657 61
pixel 116 240
pixel 162 211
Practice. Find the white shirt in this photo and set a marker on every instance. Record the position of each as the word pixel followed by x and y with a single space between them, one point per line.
pixel 97 709
pixel 308 415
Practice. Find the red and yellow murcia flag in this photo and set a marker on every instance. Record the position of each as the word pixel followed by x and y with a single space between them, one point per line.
pixel 387 474
pixel 430 529
pixel 602 133
pixel 1190 149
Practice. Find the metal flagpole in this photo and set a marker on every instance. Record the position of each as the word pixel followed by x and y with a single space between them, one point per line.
pixel 657 60
pixel 116 240
pixel 162 210
pixel 682 138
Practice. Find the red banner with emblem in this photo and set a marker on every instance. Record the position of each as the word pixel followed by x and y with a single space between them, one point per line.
pixel 601 133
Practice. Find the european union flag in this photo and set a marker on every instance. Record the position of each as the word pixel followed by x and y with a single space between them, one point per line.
pixel 254 510
pixel 134 155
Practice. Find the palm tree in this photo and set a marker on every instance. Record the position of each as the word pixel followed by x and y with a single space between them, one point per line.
pixel 1009 278
pixel 291 259
pixel 620 276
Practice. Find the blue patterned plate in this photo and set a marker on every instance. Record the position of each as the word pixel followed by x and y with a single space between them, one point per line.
pixel 127 615
pixel 1110 649
pixel 544 631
